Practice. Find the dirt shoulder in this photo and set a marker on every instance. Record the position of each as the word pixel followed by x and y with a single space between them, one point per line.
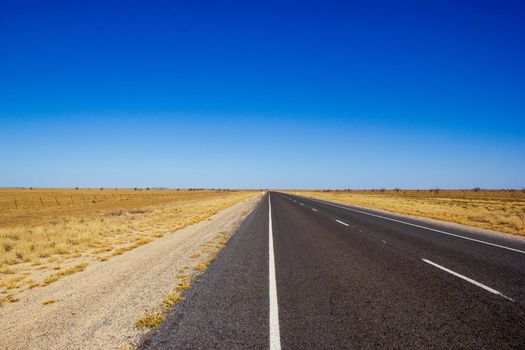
pixel 97 308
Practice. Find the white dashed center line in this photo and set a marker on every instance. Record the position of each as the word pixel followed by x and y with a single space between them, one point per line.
pixel 420 226
pixel 342 223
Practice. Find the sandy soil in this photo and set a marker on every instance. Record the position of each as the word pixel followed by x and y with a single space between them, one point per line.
pixel 96 308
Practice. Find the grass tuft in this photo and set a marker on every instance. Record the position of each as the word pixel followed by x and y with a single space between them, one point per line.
pixel 150 320
pixel 201 266
pixel 171 299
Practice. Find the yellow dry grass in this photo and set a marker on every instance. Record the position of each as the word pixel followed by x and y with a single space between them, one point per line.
pixel 54 277
pixel 38 234
pixel 171 299
pixel 498 210
pixel 149 320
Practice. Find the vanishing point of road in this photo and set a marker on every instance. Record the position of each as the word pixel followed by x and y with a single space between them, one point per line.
pixel 301 273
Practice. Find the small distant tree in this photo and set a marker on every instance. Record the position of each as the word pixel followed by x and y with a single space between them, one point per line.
pixel 476 189
pixel 76 188
pixel 397 189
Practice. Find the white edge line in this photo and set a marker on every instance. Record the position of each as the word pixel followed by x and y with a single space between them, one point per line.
pixel 491 290
pixel 314 209
pixel 423 227
pixel 275 337
pixel 342 223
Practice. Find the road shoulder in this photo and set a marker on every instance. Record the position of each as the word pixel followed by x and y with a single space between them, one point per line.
pixel 97 308
pixel 228 305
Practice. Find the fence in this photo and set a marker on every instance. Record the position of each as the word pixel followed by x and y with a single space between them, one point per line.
pixel 48 200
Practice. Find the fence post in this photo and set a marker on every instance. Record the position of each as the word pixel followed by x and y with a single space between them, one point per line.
pixel 14 200
pixel 56 200
pixel 41 202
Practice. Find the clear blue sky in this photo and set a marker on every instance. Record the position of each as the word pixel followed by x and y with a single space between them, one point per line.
pixel 365 94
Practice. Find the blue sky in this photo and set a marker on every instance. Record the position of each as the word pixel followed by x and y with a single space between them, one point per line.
pixel 364 94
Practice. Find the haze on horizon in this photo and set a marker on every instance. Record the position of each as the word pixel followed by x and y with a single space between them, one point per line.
pixel 262 95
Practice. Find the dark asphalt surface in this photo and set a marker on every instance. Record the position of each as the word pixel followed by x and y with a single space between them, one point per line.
pixel 359 286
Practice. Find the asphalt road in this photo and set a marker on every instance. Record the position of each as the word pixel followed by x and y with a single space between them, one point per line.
pixel 337 277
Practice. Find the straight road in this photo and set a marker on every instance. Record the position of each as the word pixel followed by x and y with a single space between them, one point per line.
pixel 303 273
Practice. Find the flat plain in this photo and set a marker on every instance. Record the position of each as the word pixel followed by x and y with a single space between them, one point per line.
pixel 47 234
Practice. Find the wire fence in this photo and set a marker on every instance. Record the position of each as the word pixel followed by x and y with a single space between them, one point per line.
pixel 35 201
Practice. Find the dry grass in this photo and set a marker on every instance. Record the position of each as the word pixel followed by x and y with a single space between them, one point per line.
pixel 48 301
pixel 47 204
pixel 54 277
pixel 9 298
pixel 171 299
pixel 201 266
pixel 35 239
pixel 150 320
pixel 498 210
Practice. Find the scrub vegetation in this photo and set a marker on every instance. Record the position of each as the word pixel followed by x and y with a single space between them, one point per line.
pixel 498 210
pixel 52 233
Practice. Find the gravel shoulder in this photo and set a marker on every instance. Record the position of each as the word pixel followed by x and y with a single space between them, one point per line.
pixel 96 308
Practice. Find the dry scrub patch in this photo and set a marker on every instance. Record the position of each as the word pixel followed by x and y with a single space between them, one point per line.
pixel 498 210
pixel 24 205
pixel 39 245
pixel 149 320
pixel 206 254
